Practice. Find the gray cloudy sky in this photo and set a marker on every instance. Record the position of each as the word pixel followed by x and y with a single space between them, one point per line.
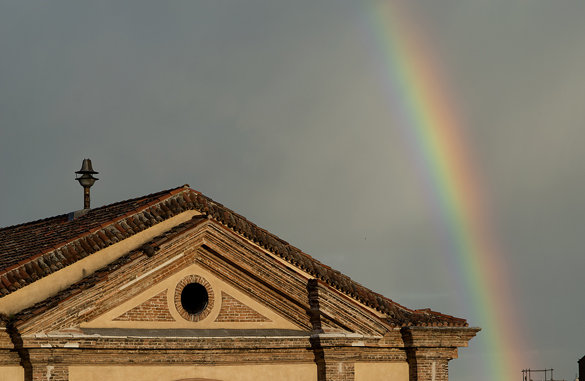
pixel 277 110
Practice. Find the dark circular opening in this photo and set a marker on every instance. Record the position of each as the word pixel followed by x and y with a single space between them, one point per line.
pixel 194 298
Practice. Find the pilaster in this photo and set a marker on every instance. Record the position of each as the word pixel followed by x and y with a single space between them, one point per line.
pixel 429 364
pixel 429 350
pixel 335 356
pixel 49 364
pixel 47 372
pixel 8 355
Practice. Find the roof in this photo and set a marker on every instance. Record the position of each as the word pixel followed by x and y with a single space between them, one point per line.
pixel 33 250
pixel 20 242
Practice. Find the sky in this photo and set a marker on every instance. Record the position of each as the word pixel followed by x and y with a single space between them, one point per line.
pixel 280 110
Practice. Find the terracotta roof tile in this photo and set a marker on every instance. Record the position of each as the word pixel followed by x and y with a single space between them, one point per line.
pixel 15 244
pixel 45 246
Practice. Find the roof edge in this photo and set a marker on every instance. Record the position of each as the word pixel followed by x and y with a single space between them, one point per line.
pixel 398 315
pixel 57 257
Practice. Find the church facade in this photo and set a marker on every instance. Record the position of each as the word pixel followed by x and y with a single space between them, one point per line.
pixel 174 286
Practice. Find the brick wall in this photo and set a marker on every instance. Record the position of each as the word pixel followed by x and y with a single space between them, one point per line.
pixel 428 365
pixel 335 355
pixel 154 309
pixel 337 371
pixel 50 372
pixel 232 310
pixel 8 357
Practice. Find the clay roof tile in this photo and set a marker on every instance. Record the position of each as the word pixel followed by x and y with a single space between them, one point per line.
pixel 38 270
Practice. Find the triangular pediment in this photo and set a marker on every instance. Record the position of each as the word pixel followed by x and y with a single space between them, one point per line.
pixel 244 286
pixel 161 306
pixel 243 290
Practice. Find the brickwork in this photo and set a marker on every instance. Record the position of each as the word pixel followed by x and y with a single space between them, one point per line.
pixel 154 309
pixel 50 373
pixel 331 311
pixel 335 355
pixel 232 310
pixel 333 364
pixel 167 351
pixel 261 277
pixel 8 357
pixel 337 371
pixel 428 364
pixel 430 349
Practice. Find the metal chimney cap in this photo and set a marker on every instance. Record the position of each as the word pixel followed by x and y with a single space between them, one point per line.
pixel 86 180
pixel 86 168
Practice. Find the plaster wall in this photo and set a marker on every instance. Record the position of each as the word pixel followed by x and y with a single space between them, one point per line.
pixel 11 373
pixel 297 372
pixel 375 371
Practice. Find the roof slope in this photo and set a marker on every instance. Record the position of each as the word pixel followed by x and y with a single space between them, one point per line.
pixel 33 250
pixel 20 242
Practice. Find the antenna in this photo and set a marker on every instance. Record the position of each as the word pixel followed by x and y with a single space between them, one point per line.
pixel 527 374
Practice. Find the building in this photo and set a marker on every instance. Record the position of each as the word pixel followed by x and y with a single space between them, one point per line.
pixel 175 286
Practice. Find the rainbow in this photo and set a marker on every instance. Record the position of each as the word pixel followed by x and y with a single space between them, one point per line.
pixel 422 106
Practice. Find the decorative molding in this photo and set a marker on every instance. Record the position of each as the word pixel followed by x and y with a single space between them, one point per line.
pixel 179 289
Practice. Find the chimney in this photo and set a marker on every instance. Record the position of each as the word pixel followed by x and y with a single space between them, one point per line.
pixel 86 180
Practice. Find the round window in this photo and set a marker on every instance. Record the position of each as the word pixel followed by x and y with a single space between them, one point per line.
pixel 193 298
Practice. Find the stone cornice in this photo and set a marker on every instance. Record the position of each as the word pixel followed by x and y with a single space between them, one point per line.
pixel 435 337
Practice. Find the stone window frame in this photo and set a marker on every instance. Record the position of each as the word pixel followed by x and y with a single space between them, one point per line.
pixel 210 298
